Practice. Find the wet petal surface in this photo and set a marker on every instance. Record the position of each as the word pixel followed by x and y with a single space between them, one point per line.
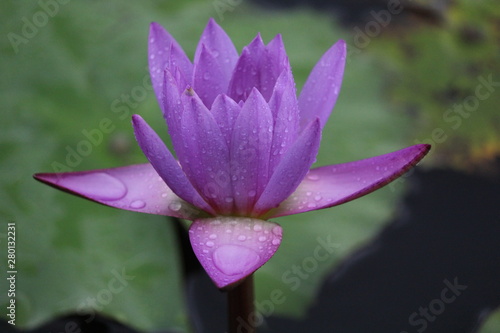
pixel 231 248
pixel 336 184
pixel 138 188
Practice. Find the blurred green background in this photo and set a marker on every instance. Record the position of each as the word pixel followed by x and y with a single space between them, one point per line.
pixel 66 65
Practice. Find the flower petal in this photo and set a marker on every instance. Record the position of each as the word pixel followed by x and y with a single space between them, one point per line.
pixel 165 164
pixel 231 248
pixel 291 170
pixel 320 92
pixel 283 104
pixel 208 77
pixel 164 51
pixel 274 61
pixel 218 43
pixel 335 184
pixel 249 151
pixel 173 110
pixel 138 188
pixel 225 112
pixel 206 155
pixel 246 74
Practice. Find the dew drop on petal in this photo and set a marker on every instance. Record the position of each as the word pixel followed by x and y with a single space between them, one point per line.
pixel 257 227
pixel 276 241
pixel 175 206
pixel 210 244
pixel 312 177
pixel 235 259
pixel 242 237
pixel 212 236
pixel 252 193
pixel 97 186
pixel 137 204
pixel 262 238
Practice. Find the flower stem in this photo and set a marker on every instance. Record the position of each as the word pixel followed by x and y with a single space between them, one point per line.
pixel 240 303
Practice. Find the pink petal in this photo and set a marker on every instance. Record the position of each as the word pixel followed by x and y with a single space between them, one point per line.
pixel 320 92
pixel 208 77
pixel 250 149
pixel 138 188
pixel 206 155
pixel 164 51
pixel 335 184
pixel 218 43
pixel 291 170
pixel 231 248
pixel 165 164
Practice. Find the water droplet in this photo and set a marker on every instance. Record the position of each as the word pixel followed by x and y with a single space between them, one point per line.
pixel 276 241
pixel 137 204
pixel 152 56
pixel 96 186
pixel 257 227
pixel 235 259
pixel 242 237
pixel 210 244
pixel 175 206
pixel 312 177
pixel 311 205
pixel 215 53
pixel 318 197
pixel 206 76
pixel 212 236
pixel 277 231
pixel 308 193
pixel 229 199
pixel 164 195
pixel 252 193
pixel 262 238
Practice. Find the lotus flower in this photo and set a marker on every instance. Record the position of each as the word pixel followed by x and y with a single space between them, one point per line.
pixel 244 144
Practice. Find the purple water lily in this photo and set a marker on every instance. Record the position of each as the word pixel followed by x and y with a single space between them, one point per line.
pixel 244 144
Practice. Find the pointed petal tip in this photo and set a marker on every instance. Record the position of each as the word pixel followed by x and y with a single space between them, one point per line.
pixel 340 183
pixel 232 248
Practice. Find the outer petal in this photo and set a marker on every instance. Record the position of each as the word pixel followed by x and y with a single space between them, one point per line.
pixel 291 170
pixel 250 149
pixel 218 43
pixel 320 92
pixel 136 187
pixel 231 248
pixel 335 184
pixel 165 164
pixel 163 52
pixel 206 156
pixel 208 77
